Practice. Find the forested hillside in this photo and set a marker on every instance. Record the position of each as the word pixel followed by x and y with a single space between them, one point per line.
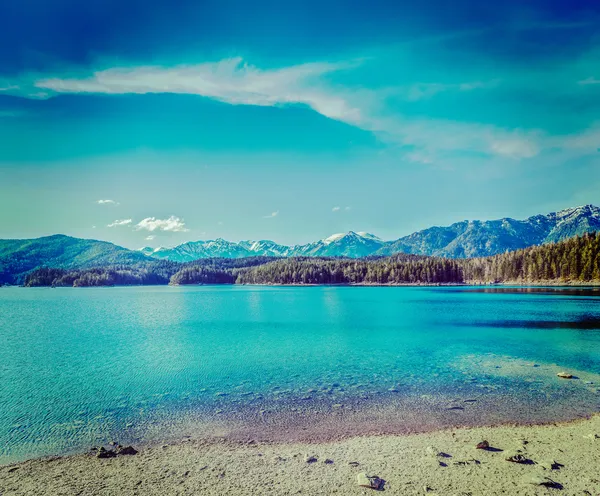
pixel 576 260
pixel 20 256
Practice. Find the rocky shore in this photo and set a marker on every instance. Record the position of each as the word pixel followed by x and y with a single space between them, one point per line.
pixel 526 460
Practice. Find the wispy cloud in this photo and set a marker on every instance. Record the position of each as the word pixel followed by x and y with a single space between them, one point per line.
pixel 236 82
pixel 150 237
pixel 589 81
pixel 335 209
pixel 172 224
pixel 230 80
pixel 122 222
pixel 422 91
pixel 107 202
pixel 271 215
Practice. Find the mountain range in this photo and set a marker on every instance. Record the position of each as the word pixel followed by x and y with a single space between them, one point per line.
pixel 459 240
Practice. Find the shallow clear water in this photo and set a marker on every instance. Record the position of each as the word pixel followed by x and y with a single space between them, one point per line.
pixel 80 367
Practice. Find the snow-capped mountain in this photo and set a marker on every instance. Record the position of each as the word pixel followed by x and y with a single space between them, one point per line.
pixel 483 238
pixel 462 239
pixel 350 244
pixel 194 250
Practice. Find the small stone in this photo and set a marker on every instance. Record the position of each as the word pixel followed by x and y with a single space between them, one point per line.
pixel 432 451
pixel 470 461
pixel 550 464
pixel 371 481
pixel 517 458
pixel 538 480
pixel 565 375
pixel 353 464
pixel 310 459
pixel 328 461
pixel 483 445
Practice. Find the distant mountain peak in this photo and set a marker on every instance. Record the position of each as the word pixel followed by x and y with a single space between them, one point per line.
pixel 467 238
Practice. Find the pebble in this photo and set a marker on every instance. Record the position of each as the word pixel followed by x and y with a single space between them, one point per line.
pixel 371 481
pixel 565 375
pixel 483 445
pixel 432 451
pixel 310 459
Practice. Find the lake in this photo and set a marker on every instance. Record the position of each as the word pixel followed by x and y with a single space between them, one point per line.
pixel 81 367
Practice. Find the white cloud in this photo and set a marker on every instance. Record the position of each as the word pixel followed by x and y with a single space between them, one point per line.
pixel 173 224
pixel 230 80
pixel 107 202
pixel 150 237
pixel 123 222
pixel 335 209
pixel 347 208
pixel 271 215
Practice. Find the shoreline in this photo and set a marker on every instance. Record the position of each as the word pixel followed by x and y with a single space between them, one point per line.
pixel 444 461
pixel 518 284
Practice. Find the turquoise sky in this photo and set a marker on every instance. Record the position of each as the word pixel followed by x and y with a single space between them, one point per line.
pixel 148 124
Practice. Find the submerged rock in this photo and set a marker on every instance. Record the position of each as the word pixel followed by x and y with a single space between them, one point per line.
pixel 432 451
pixel 565 375
pixel 371 481
pixel 517 458
pixel 101 452
pixel 126 450
pixel 538 480
pixel 550 464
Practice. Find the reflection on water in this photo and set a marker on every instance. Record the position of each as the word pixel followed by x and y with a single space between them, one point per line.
pixel 584 322
pixel 83 366
pixel 543 290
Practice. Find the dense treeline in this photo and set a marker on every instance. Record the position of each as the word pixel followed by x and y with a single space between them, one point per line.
pixel 409 269
pixel 207 271
pixel 215 270
pixel 574 260
pixel 119 275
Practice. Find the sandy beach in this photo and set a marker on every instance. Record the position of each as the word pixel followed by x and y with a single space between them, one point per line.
pixel 557 458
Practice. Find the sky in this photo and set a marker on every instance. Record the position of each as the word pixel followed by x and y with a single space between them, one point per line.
pixel 156 123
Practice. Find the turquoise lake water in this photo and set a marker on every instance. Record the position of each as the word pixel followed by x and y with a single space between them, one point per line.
pixel 80 367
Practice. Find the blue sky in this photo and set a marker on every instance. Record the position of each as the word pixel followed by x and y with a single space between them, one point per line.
pixel 148 124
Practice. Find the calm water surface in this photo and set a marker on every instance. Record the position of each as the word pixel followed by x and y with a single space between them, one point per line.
pixel 80 367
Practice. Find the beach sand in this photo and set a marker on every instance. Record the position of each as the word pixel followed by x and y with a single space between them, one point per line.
pixel 443 463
